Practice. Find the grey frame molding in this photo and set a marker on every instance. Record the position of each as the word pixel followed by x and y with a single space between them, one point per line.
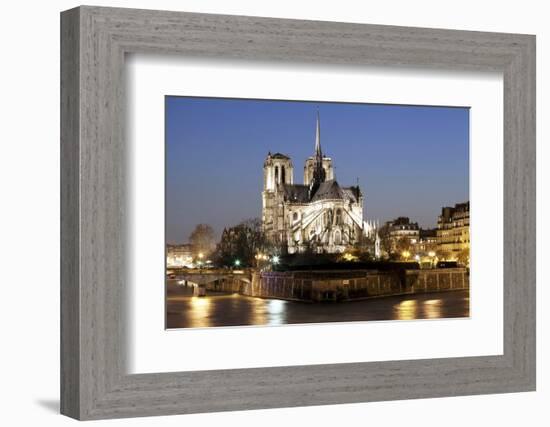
pixel 94 382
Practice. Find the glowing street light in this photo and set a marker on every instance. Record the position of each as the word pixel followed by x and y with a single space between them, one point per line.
pixel 237 262
pixel 275 259
pixel 405 254
pixel 431 253
pixel 349 257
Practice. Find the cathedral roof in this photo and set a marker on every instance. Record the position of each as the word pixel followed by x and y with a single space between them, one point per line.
pixel 296 193
pixel 328 190
pixel 352 193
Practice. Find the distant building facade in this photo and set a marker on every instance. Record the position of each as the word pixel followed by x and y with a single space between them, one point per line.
pixel 399 230
pixel 319 215
pixel 179 255
pixel 427 241
pixel 453 231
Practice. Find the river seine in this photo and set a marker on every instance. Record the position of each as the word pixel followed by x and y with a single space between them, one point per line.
pixel 187 311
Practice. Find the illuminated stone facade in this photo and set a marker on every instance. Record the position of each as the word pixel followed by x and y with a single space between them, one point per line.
pixel 179 256
pixel 318 215
pixel 453 232
pixel 398 229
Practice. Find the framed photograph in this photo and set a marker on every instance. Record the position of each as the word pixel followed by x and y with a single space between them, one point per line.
pixel 261 213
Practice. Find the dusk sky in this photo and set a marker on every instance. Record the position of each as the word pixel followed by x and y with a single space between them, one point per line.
pixel 410 160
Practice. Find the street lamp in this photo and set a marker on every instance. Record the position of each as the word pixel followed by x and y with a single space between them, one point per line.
pixel 275 259
pixel 237 262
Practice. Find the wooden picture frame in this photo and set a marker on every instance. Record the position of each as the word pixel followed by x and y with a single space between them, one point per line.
pixel 94 382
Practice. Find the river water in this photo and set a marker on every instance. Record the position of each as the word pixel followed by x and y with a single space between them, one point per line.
pixel 187 311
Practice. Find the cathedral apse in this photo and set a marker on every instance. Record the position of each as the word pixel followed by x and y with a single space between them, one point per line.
pixel 319 215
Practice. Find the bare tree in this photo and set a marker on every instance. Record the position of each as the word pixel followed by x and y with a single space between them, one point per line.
pixel 242 243
pixel 386 241
pixel 202 239
pixel 403 244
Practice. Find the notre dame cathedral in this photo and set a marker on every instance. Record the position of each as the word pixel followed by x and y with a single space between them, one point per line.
pixel 319 215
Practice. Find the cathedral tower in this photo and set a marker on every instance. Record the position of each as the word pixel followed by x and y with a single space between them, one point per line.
pixel 278 170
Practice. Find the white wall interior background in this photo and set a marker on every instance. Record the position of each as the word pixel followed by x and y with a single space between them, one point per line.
pixel 29 213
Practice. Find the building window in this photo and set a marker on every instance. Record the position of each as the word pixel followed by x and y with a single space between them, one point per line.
pixel 276 174
pixel 338 216
pixel 295 216
pixel 337 238
pixel 283 174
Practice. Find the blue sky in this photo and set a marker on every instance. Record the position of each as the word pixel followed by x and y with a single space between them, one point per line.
pixel 410 160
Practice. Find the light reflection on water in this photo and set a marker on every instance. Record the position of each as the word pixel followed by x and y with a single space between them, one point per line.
pixel 277 311
pixel 432 308
pixel 406 310
pixel 258 314
pixel 413 309
pixel 268 312
pixel 184 311
pixel 200 311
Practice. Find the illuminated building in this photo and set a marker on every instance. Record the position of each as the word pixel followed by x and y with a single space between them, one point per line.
pixel 398 230
pixel 453 232
pixel 179 256
pixel 318 215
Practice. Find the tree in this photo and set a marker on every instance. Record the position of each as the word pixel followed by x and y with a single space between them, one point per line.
pixel 362 248
pixel 403 245
pixel 202 239
pixel 463 257
pixel 386 243
pixel 242 242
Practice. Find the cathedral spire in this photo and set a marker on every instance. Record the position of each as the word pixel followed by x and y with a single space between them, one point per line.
pixel 319 173
pixel 318 152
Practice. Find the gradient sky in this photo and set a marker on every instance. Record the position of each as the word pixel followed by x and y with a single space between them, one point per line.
pixel 410 160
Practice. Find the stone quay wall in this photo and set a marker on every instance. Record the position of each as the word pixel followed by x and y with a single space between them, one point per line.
pixel 228 284
pixel 316 286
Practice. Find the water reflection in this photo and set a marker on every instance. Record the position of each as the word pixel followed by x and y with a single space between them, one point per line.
pixel 406 310
pixel 277 310
pixel 186 311
pixel 432 308
pixel 200 311
pixel 259 312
